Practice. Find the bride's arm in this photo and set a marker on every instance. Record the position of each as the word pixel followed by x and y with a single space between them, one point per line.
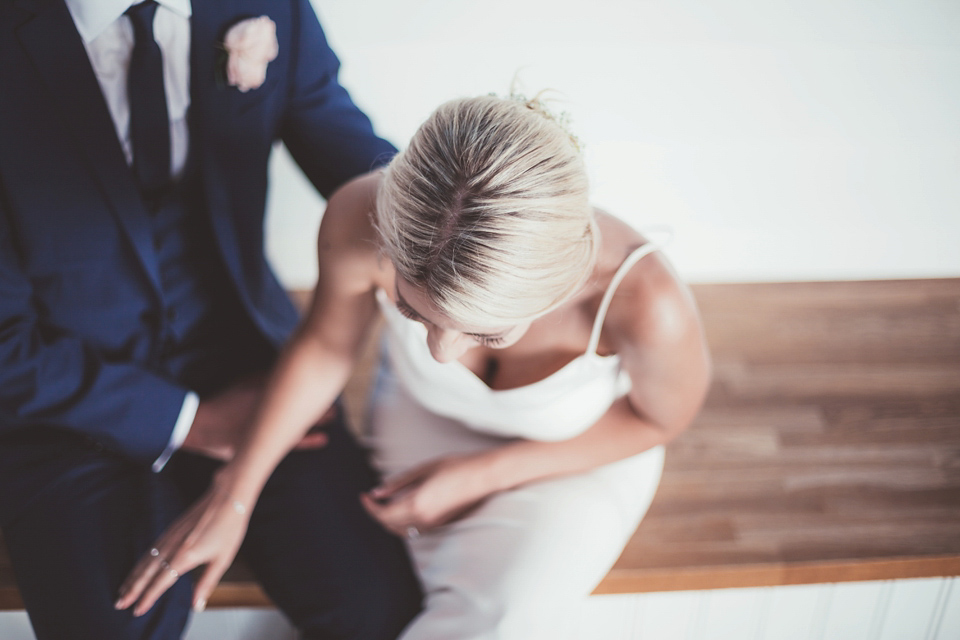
pixel 316 364
pixel 656 330
pixel 309 375
pixel 654 326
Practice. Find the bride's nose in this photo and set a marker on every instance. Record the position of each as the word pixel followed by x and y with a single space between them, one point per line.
pixel 446 345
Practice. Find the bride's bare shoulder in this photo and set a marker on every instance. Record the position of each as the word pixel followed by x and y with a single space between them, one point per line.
pixel 347 241
pixel 651 306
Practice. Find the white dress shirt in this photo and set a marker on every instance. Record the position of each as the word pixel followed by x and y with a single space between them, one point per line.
pixel 108 37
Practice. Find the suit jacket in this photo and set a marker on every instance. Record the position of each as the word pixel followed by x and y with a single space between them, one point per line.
pixel 79 281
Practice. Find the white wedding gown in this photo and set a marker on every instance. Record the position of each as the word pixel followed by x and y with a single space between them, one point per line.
pixel 520 565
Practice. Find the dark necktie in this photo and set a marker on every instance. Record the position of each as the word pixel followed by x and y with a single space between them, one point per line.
pixel 149 122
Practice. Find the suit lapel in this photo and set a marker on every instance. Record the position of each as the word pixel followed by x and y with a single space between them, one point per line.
pixel 52 41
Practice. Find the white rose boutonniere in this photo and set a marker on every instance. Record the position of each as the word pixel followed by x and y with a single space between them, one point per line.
pixel 249 46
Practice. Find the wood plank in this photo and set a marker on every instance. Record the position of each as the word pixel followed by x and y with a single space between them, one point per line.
pixel 772 575
pixel 828 449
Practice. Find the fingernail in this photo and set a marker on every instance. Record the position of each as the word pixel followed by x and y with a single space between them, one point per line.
pixel 119 603
pixel 200 606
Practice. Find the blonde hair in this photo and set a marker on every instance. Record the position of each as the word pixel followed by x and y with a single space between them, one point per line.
pixel 487 212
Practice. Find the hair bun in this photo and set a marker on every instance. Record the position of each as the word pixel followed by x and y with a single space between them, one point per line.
pixel 538 104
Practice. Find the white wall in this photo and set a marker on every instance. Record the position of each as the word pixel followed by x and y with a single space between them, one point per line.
pixel 781 139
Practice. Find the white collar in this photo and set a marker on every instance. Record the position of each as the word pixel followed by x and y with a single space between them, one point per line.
pixel 93 16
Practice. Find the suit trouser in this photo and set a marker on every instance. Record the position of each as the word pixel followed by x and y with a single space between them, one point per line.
pixel 329 567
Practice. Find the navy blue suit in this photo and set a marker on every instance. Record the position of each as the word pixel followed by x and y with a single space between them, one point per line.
pixel 92 371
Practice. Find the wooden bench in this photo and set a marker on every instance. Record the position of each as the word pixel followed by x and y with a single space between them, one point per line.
pixel 828 449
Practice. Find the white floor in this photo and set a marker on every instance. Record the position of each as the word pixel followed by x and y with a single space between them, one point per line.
pixel 927 609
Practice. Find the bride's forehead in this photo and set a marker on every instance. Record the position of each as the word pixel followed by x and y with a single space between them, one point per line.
pixel 415 299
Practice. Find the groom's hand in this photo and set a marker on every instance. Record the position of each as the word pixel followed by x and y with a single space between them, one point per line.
pixel 222 421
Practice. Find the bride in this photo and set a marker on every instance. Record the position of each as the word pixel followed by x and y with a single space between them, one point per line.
pixel 538 355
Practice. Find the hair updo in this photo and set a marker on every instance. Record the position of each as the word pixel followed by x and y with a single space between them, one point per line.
pixel 487 212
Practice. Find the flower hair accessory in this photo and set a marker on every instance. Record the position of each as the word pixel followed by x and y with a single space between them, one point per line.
pixel 249 46
pixel 538 105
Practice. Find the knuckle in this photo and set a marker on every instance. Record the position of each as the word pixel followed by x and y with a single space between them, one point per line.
pixel 188 559
pixel 419 510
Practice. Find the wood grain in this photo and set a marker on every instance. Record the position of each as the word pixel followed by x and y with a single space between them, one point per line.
pixel 829 446
pixel 828 449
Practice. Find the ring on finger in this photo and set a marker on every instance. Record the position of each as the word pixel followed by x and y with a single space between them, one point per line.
pixel 412 532
pixel 166 567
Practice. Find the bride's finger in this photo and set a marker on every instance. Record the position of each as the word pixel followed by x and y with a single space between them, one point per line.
pixel 151 563
pixel 163 579
pixel 375 509
pixel 208 582
pixel 394 516
pixel 398 482
pixel 141 575
pixel 313 440
pixel 371 505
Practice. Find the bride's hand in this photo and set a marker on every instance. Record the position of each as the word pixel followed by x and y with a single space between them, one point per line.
pixel 210 533
pixel 430 495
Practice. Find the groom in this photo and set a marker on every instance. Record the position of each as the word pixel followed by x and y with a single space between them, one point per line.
pixel 138 315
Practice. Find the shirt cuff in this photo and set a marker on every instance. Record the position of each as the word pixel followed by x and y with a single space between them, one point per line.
pixel 180 430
